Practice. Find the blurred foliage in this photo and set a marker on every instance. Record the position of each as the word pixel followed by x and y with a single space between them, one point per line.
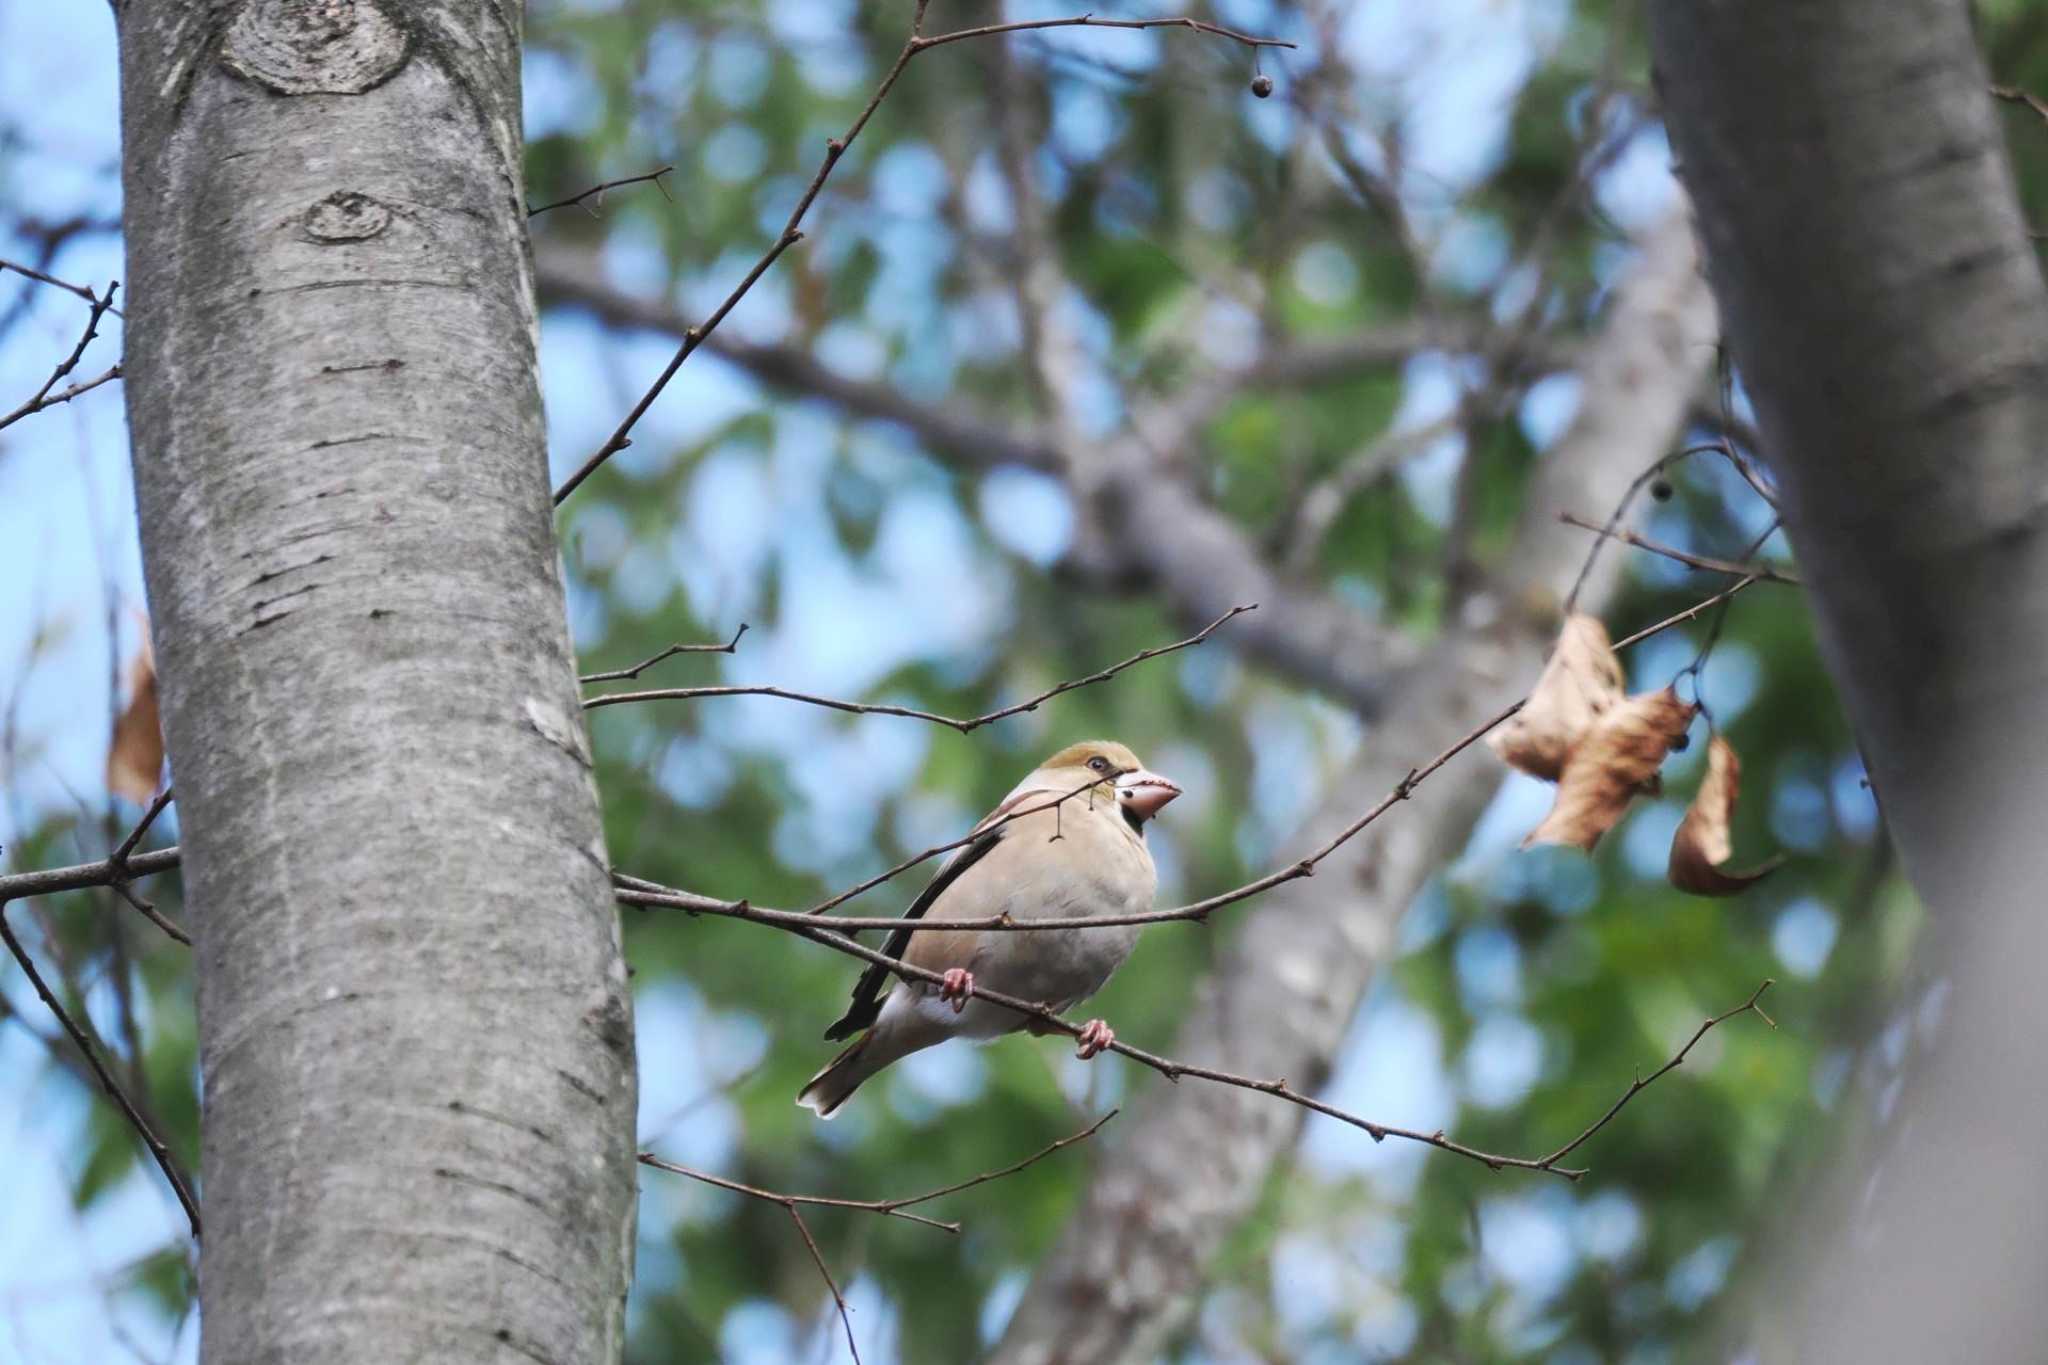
pixel 1192 220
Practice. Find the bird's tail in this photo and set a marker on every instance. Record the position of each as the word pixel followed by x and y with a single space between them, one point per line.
pixel 826 1091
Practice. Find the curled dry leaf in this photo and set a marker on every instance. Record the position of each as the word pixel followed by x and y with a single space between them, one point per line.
pixel 136 758
pixel 1702 843
pixel 1580 683
pixel 1615 760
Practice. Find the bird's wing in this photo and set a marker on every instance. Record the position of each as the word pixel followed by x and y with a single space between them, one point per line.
pixel 867 992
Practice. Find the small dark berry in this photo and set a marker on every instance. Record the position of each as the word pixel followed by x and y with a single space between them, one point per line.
pixel 1661 491
pixel 1262 86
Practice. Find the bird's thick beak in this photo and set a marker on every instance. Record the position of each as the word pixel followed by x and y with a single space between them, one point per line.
pixel 1145 793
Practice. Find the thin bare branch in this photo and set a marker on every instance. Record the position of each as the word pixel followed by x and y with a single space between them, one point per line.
pixel 597 191
pixel 63 395
pixel 918 44
pixel 148 911
pixel 2014 95
pixel 978 832
pixel 986 1176
pixel 43 397
pixel 835 148
pixel 621 674
pixel 1763 573
pixel 1640 1083
pixel 964 726
pixel 1048 1021
pixel 634 891
pixel 881 1206
pixel 1657 467
pixel 1690 613
pixel 116 871
pixel 573 276
pixel 156 808
pixel 39 277
pixel 651 895
pixel 50 881
pixel 892 1208
pixel 818 1260
pixel 165 1161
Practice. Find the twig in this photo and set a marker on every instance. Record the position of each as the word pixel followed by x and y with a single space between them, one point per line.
pixel 39 277
pixel 117 872
pixel 1609 531
pixel 1049 1021
pixel 835 148
pixel 167 1163
pixel 1746 467
pixel 149 912
pixel 964 726
pixel 50 881
pixel 892 1208
pixel 599 190
pixel 64 395
pixel 621 674
pixel 1699 661
pixel 986 1176
pixel 1628 496
pixel 43 398
pixel 119 857
pixel 1762 573
pixel 652 895
pixel 668 898
pixel 786 1200
pixel 1640 1084
pixel 2015 95
pixel 818 1260
pixel 1690 613
pixel 978 832
pixel 1090 21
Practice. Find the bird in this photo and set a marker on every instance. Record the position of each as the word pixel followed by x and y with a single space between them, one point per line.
pixel 1067 842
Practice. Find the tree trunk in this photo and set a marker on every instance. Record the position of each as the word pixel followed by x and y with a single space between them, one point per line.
pixel 416 1037
pixel 1888 314
pixel 1191 1162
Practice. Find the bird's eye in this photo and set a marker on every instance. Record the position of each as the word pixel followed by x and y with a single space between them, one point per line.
pixel 1099 764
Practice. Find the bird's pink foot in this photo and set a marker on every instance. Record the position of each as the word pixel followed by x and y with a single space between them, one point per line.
pixel 1095 1035
pixel 955 987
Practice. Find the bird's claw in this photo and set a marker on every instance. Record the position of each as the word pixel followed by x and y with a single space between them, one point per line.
pixel 1094 1037
pixel 955 987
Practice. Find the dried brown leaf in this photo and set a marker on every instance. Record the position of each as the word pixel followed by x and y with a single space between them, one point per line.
pixel 1581 682
pixel 1703 843
pixel 135 759
pixel 1616 759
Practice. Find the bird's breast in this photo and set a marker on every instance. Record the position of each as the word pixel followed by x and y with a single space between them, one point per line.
pixel 1110 874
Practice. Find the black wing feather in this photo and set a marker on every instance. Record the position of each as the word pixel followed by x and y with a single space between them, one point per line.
pixel 867 992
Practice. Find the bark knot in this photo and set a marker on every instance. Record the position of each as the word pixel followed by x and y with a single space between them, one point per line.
pixel 315 47
pixel 346 216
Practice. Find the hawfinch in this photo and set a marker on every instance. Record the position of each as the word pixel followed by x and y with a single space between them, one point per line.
pixel 1084 856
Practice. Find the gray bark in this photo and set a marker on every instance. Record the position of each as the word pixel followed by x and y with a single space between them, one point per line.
pixel 1888 314
pixel 415 1033
pixel 1190 1163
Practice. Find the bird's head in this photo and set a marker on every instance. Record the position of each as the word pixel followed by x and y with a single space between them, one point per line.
pixel 1140 792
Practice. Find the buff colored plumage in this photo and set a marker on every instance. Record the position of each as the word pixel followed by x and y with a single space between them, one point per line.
pixel 1087 856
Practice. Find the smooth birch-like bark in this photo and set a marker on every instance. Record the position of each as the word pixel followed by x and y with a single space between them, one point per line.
pixel 416 1038
pixel 1887 310
pixel 1191 1162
